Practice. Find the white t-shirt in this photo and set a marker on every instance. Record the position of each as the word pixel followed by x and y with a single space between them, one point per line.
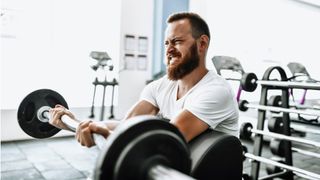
pixel 211 100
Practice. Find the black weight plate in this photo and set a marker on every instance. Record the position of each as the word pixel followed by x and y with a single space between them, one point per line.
pixel 139 143
pixel 245 132
pixel 248 82
pixel 274 100
pixel 27 112
pixel 242 105
pixel 277 147
pixel 271 169
pixel 275 124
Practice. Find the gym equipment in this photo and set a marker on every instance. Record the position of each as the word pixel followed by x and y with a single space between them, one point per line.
pixel 250 81
pixel 274 169
pixel 216 155
pixel 297 171
pixel 244 105
pixel 246 131
pixel 277 147
pixel 31 111
pixel 103 60
pixel 228 63
pixel 275 100
pixel 275 124
pixel 145 147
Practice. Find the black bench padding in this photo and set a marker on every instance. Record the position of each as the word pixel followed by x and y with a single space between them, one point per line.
pixel 216 155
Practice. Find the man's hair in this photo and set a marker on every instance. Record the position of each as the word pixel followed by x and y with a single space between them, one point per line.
pixel 198 25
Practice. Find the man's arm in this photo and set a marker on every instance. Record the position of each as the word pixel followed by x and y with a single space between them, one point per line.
pixel 142 108
pixel 189 125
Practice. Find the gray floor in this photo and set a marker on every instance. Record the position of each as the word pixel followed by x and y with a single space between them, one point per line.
pixel 64 158
pixel 55 158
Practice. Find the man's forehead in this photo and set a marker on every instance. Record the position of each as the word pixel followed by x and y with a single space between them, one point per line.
pixel 178 28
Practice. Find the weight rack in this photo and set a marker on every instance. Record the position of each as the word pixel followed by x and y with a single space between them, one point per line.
pixel 258 138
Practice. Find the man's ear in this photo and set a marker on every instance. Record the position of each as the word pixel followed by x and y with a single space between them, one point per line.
pixel 203 42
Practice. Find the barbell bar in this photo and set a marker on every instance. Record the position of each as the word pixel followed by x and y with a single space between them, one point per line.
pixel 249 82
pixel 277 147
pixel 244 105
pixel 299 171
pixel 33 118
pixel 246 131
pixel 275 124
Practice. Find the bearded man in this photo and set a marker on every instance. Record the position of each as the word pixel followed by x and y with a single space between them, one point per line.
pixel 191 96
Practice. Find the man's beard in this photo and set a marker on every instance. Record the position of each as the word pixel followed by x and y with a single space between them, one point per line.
pixel 186 66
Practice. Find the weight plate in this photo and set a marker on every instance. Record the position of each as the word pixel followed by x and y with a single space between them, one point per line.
pixel 242 105
pixel 275 124
pixel 245 130
pixel 249 82
pixel 139 143
pixel 28 108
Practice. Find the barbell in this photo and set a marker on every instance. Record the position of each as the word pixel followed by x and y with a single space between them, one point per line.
pixel 144 147
pixel 297 171
pixel 277 147
pixel 275 124
pixel 246 130
pixel 249 82
pixel 244 105
pixel 125 147
pixel 275 100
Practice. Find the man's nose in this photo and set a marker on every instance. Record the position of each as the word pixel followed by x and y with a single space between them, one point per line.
pixel 170 48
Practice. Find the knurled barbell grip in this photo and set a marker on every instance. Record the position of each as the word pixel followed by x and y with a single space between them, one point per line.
pixel 73 124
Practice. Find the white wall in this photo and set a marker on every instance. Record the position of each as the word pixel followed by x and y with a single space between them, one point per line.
pixel 263 33
pixel 136 20
pixel 51 47
pixel 46 44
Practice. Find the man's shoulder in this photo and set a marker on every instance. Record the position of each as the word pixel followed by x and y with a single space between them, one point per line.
pixel 162 83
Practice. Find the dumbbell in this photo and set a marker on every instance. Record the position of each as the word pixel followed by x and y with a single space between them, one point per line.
pixel 144 147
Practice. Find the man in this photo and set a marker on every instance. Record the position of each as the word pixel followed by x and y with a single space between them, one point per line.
pixel 191 96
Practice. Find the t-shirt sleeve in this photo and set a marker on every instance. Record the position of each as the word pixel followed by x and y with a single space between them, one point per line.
pixel 212 106
pixel 148 93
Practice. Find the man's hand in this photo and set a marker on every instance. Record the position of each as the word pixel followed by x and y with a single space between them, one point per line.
pixel 55 116
pixel 85 130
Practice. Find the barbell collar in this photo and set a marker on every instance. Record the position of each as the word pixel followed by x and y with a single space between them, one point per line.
pixel 284 166
pixel 288 84
pixel 160 172
pixel 284 137
pixel 286 110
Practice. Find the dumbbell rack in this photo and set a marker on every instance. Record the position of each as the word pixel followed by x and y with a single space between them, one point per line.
pixel 104 83
pixel 258 139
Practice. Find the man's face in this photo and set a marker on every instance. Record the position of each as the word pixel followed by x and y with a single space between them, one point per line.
pixel 181 50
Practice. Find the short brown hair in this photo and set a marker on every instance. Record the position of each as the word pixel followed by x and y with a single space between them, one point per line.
pixel 198 25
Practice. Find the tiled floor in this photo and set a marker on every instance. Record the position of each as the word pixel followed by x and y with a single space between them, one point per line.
pixel 55 158
pixel 64 158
